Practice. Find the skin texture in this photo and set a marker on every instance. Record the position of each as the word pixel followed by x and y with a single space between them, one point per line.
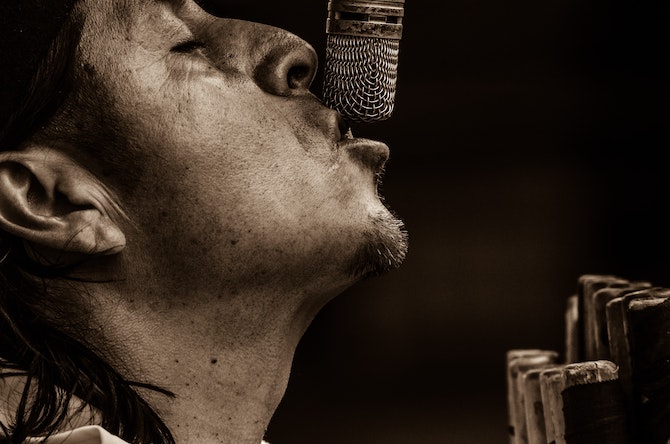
pixel 228 205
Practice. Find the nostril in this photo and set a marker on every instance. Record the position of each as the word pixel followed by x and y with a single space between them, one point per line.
pixel 299 76
pixel 287 65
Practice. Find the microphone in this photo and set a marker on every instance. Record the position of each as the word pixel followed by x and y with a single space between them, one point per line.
pixel 361 63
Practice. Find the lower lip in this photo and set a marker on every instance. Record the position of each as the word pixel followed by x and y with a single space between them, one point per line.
pixel 370 153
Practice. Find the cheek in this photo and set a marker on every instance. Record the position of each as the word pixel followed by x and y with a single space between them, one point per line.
pixel 228 185
pixel 253 224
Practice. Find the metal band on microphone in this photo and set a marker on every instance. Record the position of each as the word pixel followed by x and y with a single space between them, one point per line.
pixel 376 18
pixel 362 57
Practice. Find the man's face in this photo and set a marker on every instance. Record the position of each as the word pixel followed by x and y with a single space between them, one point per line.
pixel 236 175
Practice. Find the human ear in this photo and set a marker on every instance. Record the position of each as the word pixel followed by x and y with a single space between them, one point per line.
pixel 49 200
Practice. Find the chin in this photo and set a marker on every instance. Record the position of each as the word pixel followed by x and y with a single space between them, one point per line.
pixel 384 246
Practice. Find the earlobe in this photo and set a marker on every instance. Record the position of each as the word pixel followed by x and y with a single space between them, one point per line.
pixel 49 200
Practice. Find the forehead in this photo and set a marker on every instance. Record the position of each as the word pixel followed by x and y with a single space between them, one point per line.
pixel 114 17
pixel 110 25
pixel 250 10
pixel 294 15
pixel 105 14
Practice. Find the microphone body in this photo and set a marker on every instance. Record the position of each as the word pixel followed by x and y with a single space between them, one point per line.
pixel 361 64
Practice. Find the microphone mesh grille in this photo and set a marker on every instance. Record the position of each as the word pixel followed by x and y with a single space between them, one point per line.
pixel 360 76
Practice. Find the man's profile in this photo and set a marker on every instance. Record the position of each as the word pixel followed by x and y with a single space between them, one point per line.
pixel 175 208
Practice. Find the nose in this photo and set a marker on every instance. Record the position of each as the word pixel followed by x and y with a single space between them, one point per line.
pixel 287 67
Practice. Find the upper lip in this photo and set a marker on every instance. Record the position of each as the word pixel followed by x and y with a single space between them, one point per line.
pixel 335 125
pixel 370 153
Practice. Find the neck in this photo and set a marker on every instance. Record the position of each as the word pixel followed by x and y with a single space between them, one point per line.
pixel 221 396
pixel 226 359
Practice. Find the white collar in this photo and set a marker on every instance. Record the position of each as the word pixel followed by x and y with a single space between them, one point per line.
pixel 91 434
pixel 83 435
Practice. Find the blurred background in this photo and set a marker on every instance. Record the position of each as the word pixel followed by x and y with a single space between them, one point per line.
pixel 527 148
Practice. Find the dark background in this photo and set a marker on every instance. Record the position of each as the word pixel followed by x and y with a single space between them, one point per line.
pixel 527 148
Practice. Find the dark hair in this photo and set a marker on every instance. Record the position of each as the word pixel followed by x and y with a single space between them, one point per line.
pixel 34 302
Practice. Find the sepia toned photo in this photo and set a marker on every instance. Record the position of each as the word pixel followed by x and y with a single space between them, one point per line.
pixel 334 222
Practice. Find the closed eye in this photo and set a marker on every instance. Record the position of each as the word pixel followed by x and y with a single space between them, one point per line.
pixel 188 46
